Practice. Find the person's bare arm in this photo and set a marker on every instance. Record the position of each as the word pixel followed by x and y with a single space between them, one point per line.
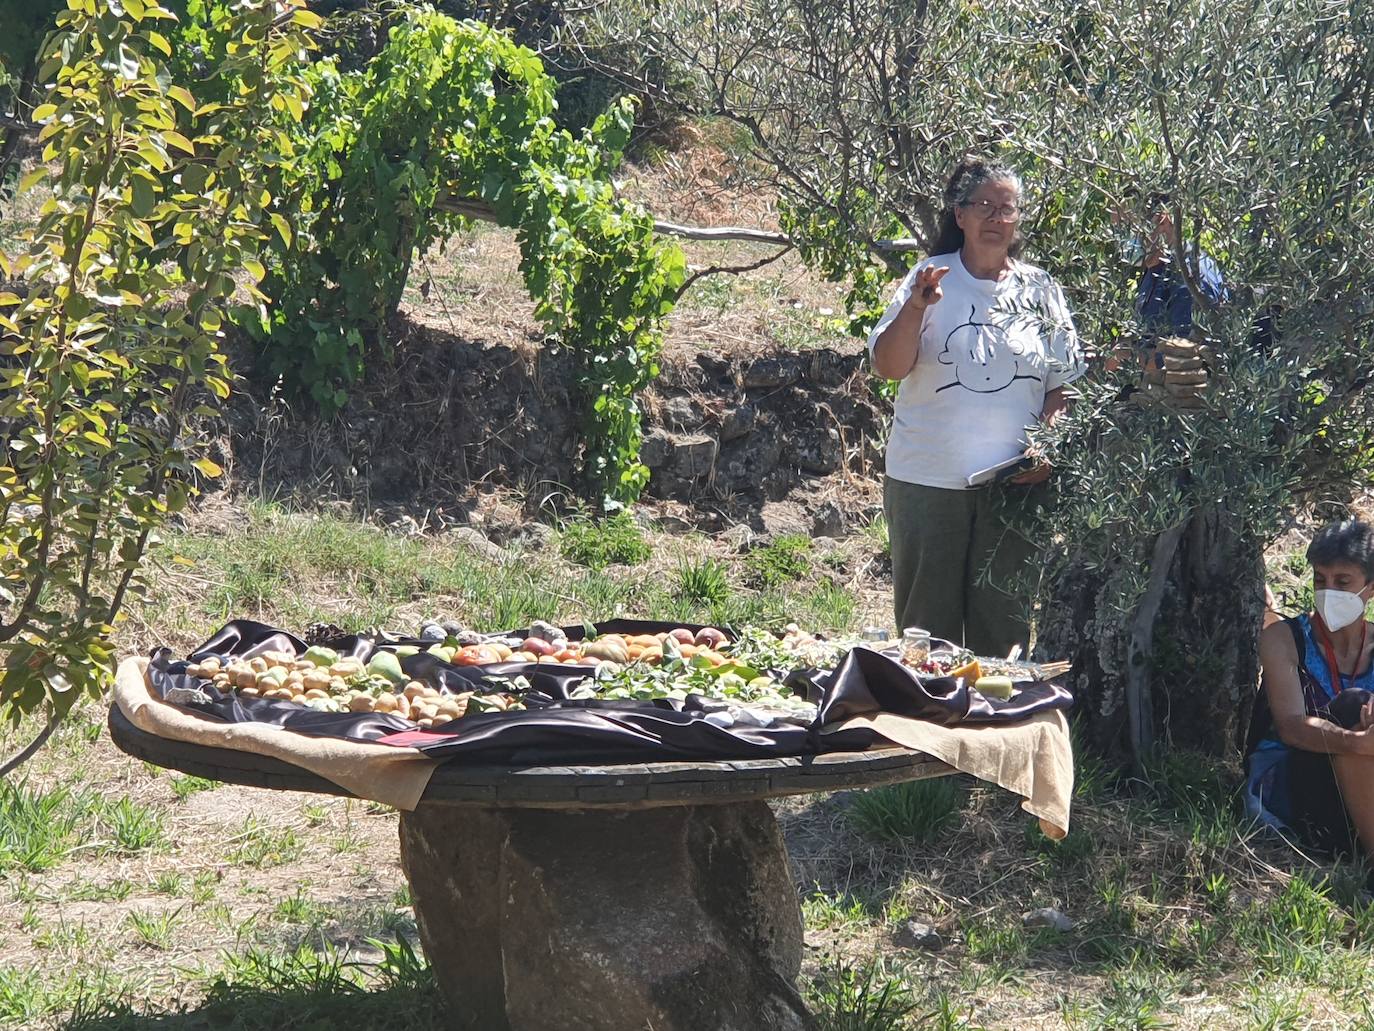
pixel 1057 401
pixel 898 346
pixel 1279 661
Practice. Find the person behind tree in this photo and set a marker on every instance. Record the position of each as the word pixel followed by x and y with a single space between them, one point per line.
pixel 984 346
pixel 1310 765
pixel 1163 301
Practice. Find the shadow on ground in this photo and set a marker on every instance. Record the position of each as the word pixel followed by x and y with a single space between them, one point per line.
pixel 327 1006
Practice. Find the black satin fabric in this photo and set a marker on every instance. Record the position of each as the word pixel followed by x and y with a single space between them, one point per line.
pixel 867 681
pixel 585 731
pixel 555 728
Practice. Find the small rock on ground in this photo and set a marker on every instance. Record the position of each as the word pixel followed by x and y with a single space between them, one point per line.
pixel 477 544
pixel 1047 918
pixel 917 935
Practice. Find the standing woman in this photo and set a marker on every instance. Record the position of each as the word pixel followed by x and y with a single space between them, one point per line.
pixel 984 346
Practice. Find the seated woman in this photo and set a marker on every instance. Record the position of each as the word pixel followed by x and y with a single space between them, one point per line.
pixel 1311 756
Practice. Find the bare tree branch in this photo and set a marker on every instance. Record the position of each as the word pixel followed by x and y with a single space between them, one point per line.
pixel 29 750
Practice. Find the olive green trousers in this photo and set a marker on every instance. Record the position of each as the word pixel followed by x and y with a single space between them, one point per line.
pixel 958 563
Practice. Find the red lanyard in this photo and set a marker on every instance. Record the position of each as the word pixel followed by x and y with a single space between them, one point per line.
pixel 1335 670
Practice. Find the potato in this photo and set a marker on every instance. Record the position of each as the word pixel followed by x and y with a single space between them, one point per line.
pixel 316 692
pixel 384 703
pixel 295 678
pixel 426 721
pixel 210 665
pixel 281 694
pixel 402 706
pixel 361 703
pixel 414 690
pixel 250 692
pixel 316 679
pixel 258 664
pixel 302 664
pixel 246 678
pixel 299 699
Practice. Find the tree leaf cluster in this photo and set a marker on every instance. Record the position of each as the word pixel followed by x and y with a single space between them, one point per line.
pixel 111 327
pixel 451 109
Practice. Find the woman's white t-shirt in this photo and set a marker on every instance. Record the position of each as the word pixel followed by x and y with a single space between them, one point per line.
pixel 990 352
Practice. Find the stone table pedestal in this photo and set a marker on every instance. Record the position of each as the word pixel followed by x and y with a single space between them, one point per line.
pixel 681 918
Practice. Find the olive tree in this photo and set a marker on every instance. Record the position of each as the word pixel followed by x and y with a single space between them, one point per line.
pixel 1255 119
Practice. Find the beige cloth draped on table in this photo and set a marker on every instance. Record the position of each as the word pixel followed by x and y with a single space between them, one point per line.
pixel 1032 758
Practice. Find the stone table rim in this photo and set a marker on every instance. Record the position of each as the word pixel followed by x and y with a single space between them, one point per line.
pixel 561 785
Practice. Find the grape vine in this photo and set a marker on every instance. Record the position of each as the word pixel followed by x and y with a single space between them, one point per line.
pixel 455 108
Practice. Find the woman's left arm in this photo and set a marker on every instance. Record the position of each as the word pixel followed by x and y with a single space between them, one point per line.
pixel 1056 402
pixel 1064 347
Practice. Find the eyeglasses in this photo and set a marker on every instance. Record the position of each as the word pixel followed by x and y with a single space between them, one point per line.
pixel 986 209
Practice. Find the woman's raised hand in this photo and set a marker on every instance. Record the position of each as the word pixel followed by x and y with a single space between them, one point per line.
pixel 926 291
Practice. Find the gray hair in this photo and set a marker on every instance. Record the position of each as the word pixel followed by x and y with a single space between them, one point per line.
pixel 971 174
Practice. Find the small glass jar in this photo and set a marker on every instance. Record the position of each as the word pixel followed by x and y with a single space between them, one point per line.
pixel 915 646
pixel 875 634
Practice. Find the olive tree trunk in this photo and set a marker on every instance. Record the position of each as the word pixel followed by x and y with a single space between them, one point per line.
pixel 1180 666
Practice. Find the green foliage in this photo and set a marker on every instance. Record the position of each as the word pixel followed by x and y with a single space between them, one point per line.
pixel 703 582
pixel 782 560
pixel 867 997
pixel 597 544
pixel 457 110
pixel 110 345
pixel 917 811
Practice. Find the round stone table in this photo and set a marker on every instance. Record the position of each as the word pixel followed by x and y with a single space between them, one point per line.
pixel 596 898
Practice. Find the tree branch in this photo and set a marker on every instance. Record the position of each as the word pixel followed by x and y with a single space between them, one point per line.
pixel 1140 647
pixel 27 752
pixel 470 207
pixel 735 269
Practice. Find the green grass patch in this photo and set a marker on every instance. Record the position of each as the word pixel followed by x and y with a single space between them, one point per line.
pixel 186 786
pixel 258 845
pixel 615 540
pixel 824 912
pixel 784 559
pixel 860 997
pixel 703 581
pixel 917 812
pixel 132 827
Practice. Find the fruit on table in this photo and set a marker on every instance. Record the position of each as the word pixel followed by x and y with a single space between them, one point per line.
pixel 610 648
pixel 710 637
pixel 321 656
pixel 994 687
pixel 386 664
pixel 346 686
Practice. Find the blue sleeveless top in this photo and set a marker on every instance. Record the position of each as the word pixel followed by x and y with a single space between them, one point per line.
pixel 1265 795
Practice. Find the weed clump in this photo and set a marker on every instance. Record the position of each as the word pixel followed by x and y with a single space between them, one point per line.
pixel 916 812
pixel 783 560
pixel 615 540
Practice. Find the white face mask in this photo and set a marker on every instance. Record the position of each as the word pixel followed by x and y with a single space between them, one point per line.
pixel 1339 608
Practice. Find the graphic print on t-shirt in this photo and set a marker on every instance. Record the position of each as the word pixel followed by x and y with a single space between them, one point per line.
pixel 984 359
